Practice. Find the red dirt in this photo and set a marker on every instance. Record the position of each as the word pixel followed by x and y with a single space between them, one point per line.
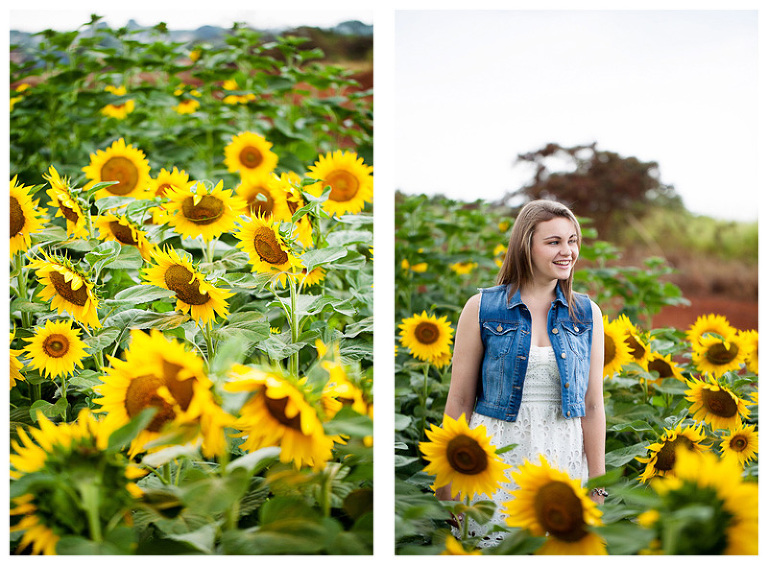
pixel 742 314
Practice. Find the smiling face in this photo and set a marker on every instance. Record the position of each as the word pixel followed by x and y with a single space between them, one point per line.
pixel 554 249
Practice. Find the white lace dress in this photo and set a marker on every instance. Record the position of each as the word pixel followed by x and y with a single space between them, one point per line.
pixel 539 428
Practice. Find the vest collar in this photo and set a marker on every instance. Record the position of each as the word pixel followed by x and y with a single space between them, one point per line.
pixel 517 301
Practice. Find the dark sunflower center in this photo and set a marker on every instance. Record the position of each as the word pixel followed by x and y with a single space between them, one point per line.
pixel 251 157
pixel 123 170
pixel 661 367
pixel 205 212
pixel 719 354
pixel 162 188
pixel 466 456
pixel 259 206
pixel 609 351
pixel 64 289
pixel 293 205
pixel 344 185
pixel 276 408
pixel 69 213
pixel 17 219
pixel 183 282
pixel 426 333
pixel 738 443
pixel 635 347
pixel 268 248
pixel 665 459
pixel 56 345
pixel 559 511
pixel 181 390
pixel 142 393
pixel 123 234
pixel 719 402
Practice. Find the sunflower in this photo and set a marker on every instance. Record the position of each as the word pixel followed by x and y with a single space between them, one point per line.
pixel 63 468
pixel 715 404
pixel 665 367
pixel 164 181
pixel 350 179
pixel 749 341
pixel 339 389
pixel 661 459
pixel 463 267
pixel 717 356
pixel 710 324
pixel 15 363
pixel 499 254
pixel 56 348
pixel 162 374
pixel 261 196
pixel 313 277
pixel 24 217
pixel 195 211
pixel 551 503
pixel 194 294
pixel 441 361
pixel 119 162
pixel 416 268
pixel 740 443
pixel 120 110
pixel 463 457
pixel 639 350
pixel 616 350
pixel 428 337
pixel 287 184
pixel 278 413
pixel 124 231
pixel 67 204
pixel 730 526
pixel 67 289
pixel 455 547
pixel 269 252
pixel 233 99
pixel 249 154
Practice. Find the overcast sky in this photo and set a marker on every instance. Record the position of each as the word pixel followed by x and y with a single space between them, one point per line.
pixel 37 15
pixel 476 88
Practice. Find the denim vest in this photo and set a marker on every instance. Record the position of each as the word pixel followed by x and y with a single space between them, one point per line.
pixel 505 329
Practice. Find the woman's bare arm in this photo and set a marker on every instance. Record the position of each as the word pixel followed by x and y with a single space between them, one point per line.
pixel 593 423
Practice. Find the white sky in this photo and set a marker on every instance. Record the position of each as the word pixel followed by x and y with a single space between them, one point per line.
pixel 40 14
pixel 476 88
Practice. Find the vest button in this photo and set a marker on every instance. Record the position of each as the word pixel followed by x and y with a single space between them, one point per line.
pixel 554 330
pixel 567 385
pixel 499 328
pixel 568 414
pixel 562 355
pixel 576 329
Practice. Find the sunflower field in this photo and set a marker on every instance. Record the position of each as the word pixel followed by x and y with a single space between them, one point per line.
pixel 681 409
pixel 191 301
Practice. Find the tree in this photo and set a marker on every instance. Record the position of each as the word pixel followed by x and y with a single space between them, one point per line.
pixel 600 185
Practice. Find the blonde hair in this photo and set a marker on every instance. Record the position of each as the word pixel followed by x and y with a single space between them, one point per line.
pixel 517 268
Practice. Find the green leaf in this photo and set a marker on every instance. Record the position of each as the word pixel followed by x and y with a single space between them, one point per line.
pixel 202 539
pixel 350 423
pixel 255 461
pixel 619 457
pixel 124 435
pixel 316 257
pixel 139 294
pixel 50 411
pixel 636 426
pixel 214 495
pixel 102 339
pixel 76 545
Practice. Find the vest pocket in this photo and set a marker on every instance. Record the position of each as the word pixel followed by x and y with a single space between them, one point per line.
pixel 498 337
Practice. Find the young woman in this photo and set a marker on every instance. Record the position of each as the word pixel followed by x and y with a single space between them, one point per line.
pixel 528 355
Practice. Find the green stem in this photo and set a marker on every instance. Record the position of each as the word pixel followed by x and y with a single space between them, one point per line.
pixel 21 279
pixel 294 360
pixel 208 342
pixel 89 493
pixel 423 400
pixel 465 522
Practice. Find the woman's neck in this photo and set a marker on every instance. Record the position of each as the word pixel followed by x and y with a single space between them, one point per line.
pixel 539 291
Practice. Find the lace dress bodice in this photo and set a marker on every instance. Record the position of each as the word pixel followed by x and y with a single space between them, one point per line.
pixel 540 428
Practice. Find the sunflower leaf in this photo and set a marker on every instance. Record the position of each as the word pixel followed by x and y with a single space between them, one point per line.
pixel 124 435
pixel 139 294
pixel 316 257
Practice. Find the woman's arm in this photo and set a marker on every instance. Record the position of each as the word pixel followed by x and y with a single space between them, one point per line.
pixel 593 423
pixel 467 361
